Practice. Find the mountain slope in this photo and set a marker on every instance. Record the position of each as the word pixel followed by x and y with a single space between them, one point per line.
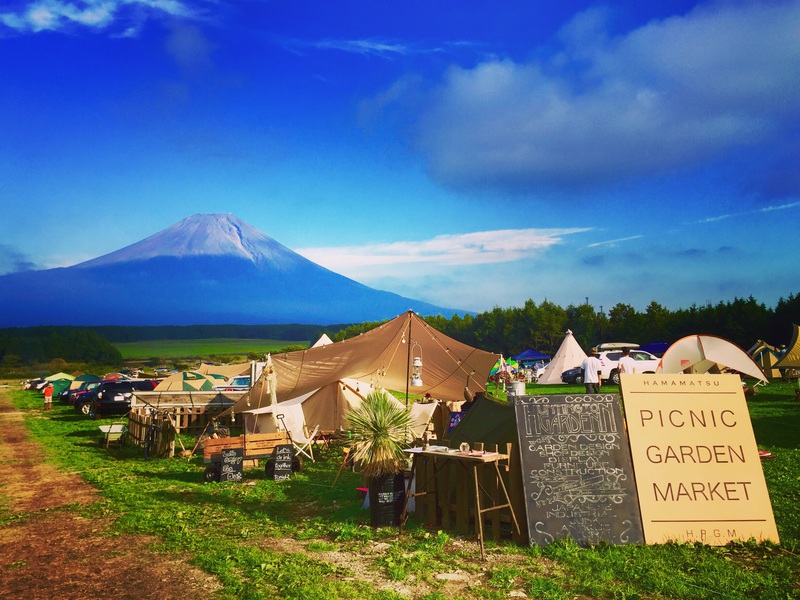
pixel 206 269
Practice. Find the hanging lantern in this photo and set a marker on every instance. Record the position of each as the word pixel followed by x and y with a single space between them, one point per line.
pixel 416 368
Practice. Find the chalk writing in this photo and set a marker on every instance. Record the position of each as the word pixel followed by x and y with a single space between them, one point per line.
pixel 577 475
pixel 232 462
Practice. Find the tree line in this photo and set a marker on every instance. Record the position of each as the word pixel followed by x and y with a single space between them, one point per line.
pixel 503 330
pixel 25 346
pixel 542 326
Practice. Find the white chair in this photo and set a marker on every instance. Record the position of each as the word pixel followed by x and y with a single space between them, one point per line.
pixel 304 445
pixel 301 441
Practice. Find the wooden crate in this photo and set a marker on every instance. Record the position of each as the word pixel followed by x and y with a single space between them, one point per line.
pixel 256 445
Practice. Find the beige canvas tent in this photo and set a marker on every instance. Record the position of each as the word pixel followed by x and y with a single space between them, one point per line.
pixel 227 370
pixel 569 355
pixel 708 354
pixel 324 407
pixel 327 406
pixel 382 357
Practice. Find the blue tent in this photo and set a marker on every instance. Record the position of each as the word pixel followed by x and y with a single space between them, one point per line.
pixel 530 355
pixel 657 348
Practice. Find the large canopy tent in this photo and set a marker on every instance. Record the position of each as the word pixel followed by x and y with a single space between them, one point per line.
pixel 708 354
pixel 569 355
pixel 382 357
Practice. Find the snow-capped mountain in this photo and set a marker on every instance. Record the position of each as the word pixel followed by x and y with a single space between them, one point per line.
pixel 206 269
pixel 206 235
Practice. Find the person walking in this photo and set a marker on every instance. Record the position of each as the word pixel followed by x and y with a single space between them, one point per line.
pixel 48 397
pixel 591 372
pixel 626 363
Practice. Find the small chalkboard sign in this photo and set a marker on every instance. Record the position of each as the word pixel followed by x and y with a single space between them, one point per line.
pixel 576 470
pixel 231 469
pixel 283 455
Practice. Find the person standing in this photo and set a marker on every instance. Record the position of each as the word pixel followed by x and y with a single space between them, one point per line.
pixel 591 372
pixel 626 363
pixel 48 397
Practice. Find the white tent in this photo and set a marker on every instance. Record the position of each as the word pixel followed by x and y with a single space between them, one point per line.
pixel 569 355
pixel 323 340
pixel 708 354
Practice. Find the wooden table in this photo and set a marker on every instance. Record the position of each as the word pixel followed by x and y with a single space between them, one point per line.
pixel 471 461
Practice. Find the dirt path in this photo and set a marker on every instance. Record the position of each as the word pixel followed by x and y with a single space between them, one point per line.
pixel 51 551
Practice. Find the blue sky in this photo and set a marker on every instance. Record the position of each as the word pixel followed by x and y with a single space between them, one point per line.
pixel 465 153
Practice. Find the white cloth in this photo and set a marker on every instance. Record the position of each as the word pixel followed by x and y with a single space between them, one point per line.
pixel 626 364
pixel 591 369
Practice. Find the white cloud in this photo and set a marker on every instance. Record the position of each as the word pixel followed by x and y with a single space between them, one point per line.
pixel 614 242
pixel 56 15
pixel 674 94
pixel 439 253
pixel 763 209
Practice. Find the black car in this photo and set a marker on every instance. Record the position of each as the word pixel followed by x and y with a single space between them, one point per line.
pixel 114 397
pixel 69 394
pixel 572 375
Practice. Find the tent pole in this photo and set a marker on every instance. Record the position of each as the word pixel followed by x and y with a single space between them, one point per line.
pixel 408 357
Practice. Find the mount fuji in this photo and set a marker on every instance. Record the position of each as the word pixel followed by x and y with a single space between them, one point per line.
pixel 205 269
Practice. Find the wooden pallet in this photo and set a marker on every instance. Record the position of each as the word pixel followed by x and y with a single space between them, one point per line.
pixel 255 445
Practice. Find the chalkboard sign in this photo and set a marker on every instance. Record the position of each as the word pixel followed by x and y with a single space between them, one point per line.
pixel 231 464
pixel 576 470
pixel 283 455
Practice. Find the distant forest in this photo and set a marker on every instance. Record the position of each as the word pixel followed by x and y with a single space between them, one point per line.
pixel 511 330
pixel 504 330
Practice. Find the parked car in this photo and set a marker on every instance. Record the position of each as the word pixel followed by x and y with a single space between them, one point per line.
pixel 645 363
pixel 69 394
pixel 574 375
pixel 114 397
pixel 240 383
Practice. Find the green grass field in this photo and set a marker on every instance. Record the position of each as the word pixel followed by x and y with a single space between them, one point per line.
pixel 305 538
pixel 201 347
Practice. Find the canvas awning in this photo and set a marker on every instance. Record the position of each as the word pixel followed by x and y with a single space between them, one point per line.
pixel 227 370
pixel 382 357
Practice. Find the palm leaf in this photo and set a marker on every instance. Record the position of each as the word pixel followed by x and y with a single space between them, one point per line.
pixel 380 430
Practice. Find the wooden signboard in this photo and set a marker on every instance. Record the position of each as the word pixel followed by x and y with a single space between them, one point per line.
pixel 697 466
pixel 231 469
pixel 283 456
pixel 576 470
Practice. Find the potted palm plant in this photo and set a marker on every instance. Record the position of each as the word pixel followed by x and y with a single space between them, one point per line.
pixel 380 428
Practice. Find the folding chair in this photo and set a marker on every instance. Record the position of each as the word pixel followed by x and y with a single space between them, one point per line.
pixel 115 432
pixel 300 440
pixel 304 445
